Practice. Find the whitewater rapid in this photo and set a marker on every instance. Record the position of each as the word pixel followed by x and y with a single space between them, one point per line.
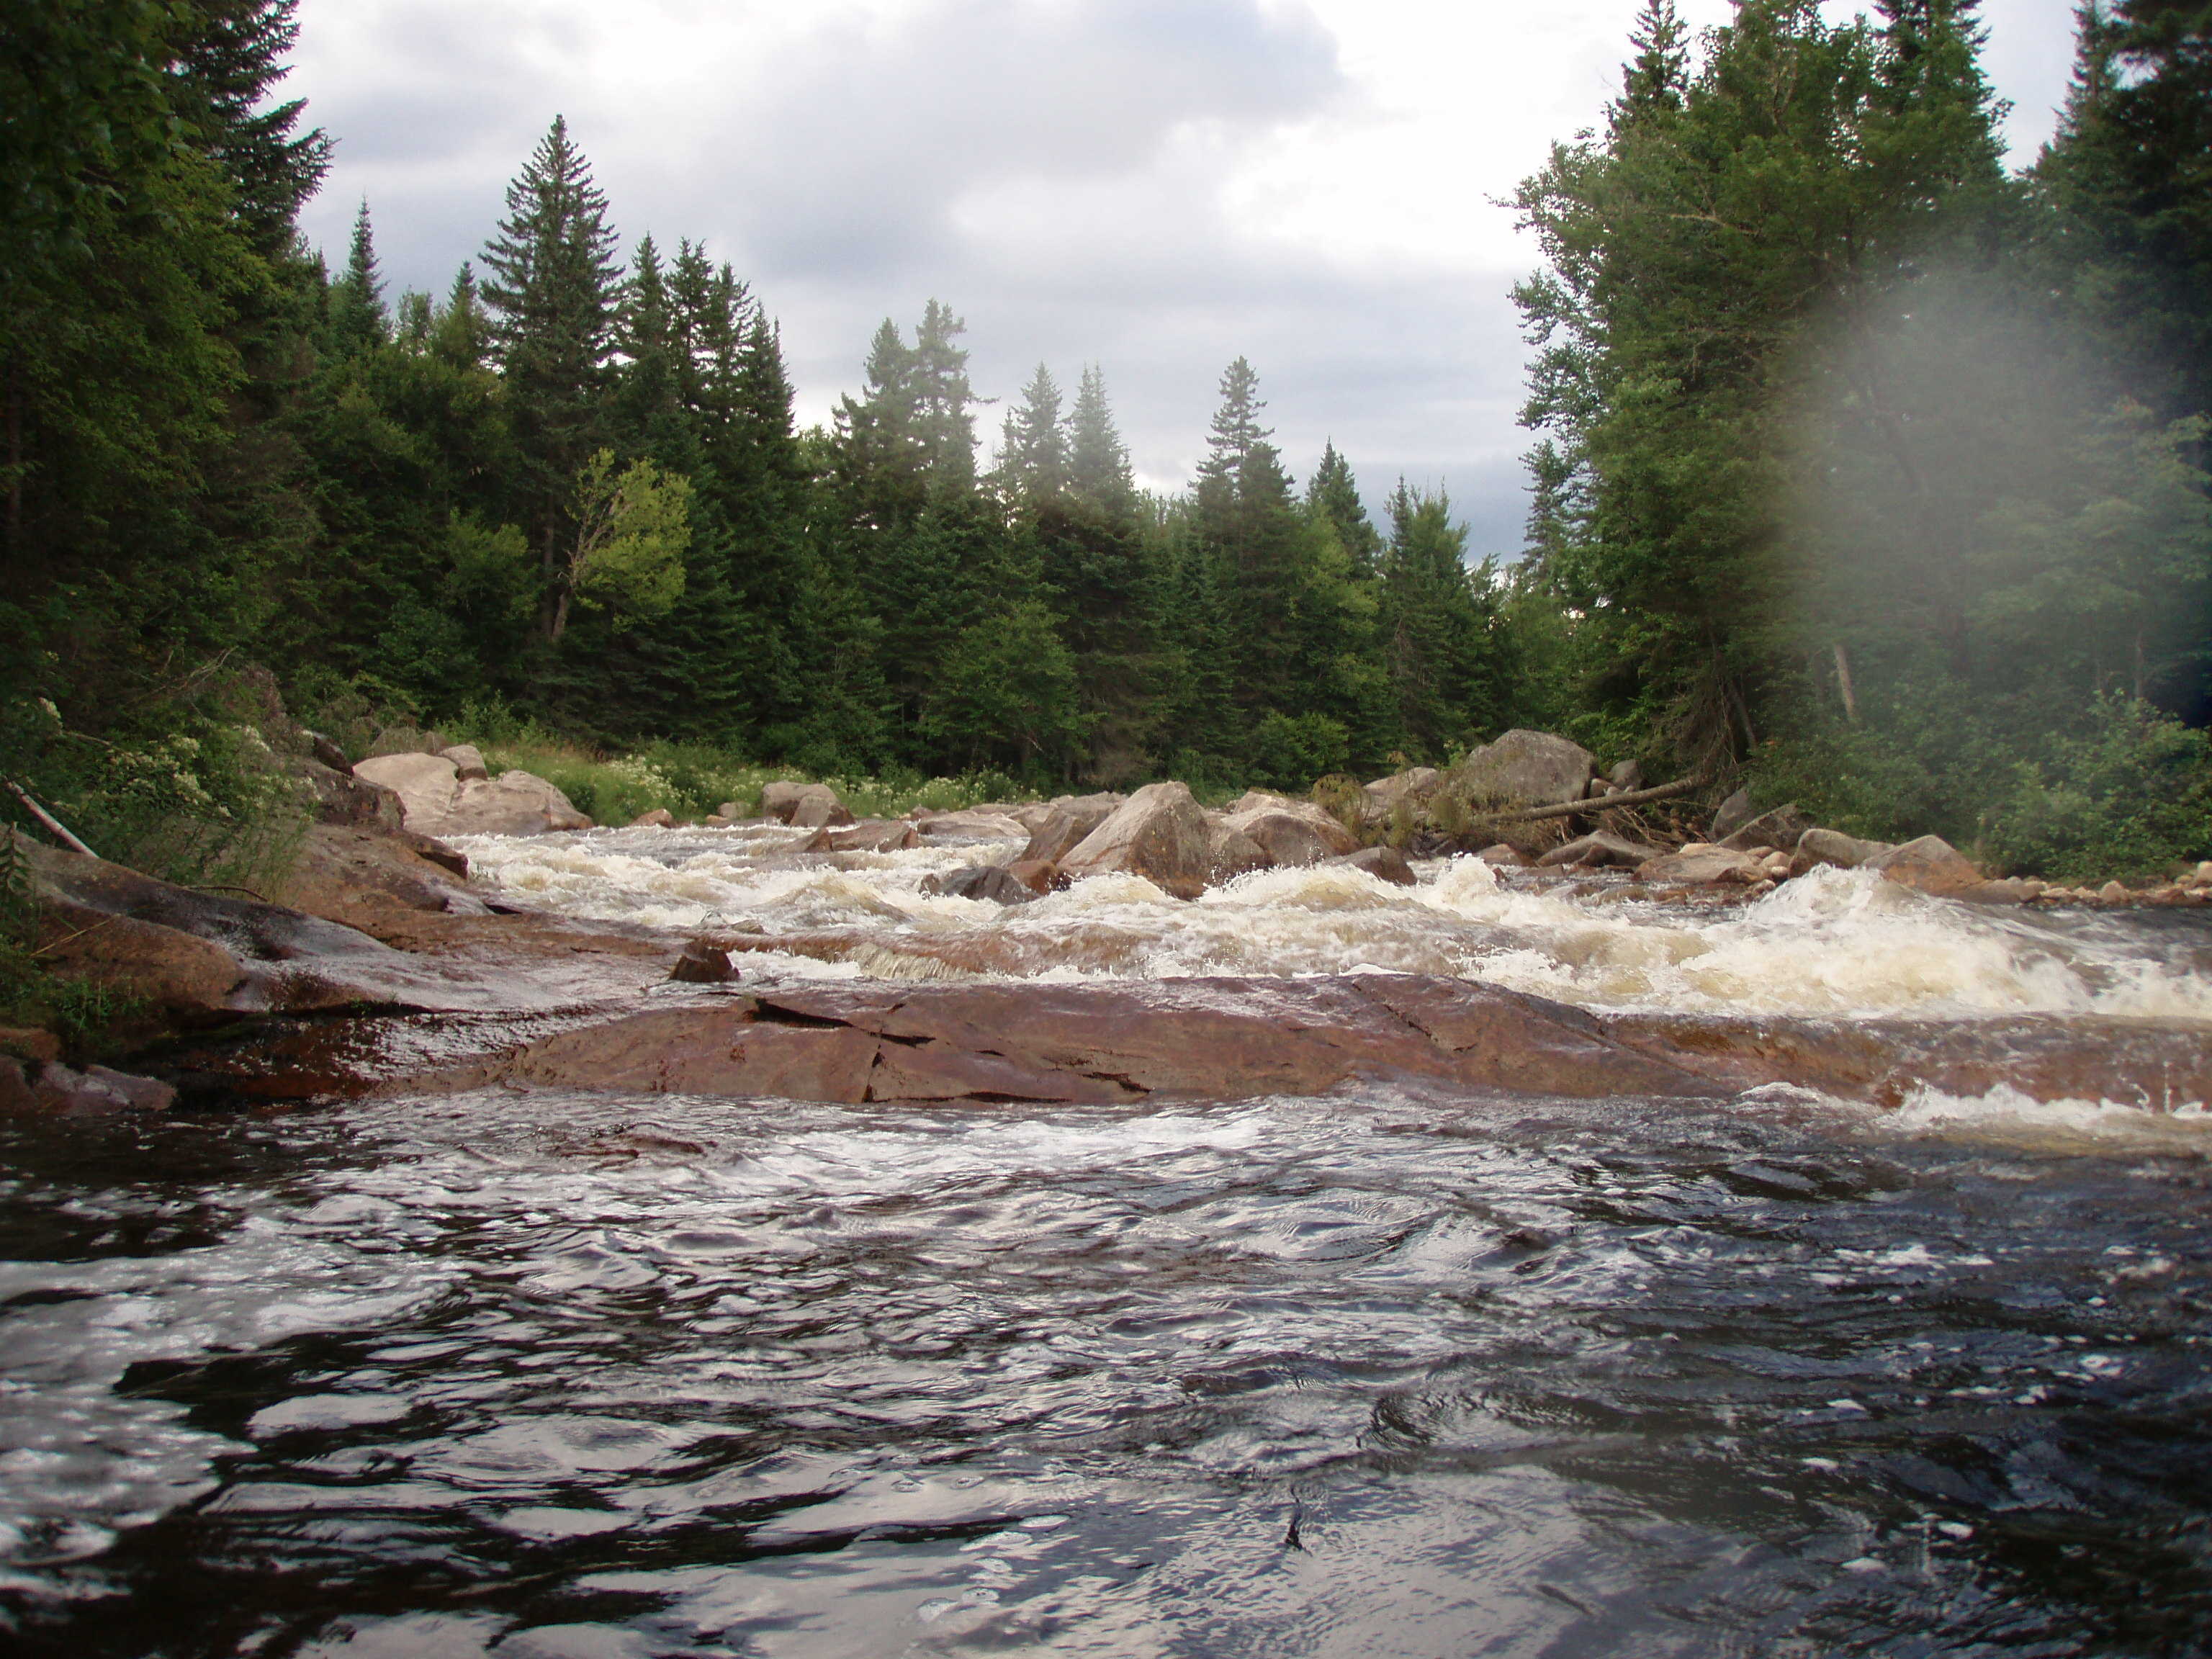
pixel 1832 944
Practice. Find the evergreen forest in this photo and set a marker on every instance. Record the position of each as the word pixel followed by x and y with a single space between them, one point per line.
pixel 1868 471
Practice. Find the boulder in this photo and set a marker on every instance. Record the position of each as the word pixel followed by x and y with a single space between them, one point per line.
pixel 1931 864
pixel 1159 833
pixel 1254 800
pixel 29 1042
pixel 342 798
pixel 1416 784
pixel 817 807
pixel 450 860
pixel 1628 774
pixel 426 785
pixel 1704 864
pixel 361 878
pixel 1040 876
pixel 1383 863
pixel 803 805
pixel 436 801
pixel 1732 814
pixel 1231 852
pixel 2111 893
pixel 50 1086
pixel 1817 846
pixel 1503 857
pixel 1778 831
pixel 1293 833
pixel 702 964
pixel 1067 824
pixel 207 958
pixel 974 823
pixel 1525 769
pixel 326 753
pixel 1599 848
pixel 468 760
pixel 994 882
pixel 867 835
pixel 659 818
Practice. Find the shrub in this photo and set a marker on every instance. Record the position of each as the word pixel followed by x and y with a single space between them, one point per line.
pixel 2129 796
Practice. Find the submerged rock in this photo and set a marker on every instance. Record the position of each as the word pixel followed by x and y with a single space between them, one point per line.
pixel 994 882
pixel 1383 863
pixel 702 964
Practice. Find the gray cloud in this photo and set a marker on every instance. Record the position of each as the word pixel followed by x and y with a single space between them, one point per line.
pixel 1054 169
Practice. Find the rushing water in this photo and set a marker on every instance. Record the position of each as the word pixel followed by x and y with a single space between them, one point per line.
pixel 548 1374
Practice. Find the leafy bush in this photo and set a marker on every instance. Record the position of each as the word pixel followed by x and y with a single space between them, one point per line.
pixel 2130 796
pixel 1291 750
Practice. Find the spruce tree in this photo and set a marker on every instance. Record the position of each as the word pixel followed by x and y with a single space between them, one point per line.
pixel 359 321
pixel 229 59
pixel 1097 460
pixel 1332 495
pixel 1033 448
pixel 554 281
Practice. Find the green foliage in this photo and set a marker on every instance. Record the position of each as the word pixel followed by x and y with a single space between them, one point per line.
pixel 1291 750
pixel 2130 796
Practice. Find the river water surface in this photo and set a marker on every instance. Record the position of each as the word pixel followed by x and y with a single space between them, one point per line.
pixel 1384 1374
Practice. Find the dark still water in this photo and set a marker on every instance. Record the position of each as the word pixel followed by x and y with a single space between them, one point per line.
pixel 543 1376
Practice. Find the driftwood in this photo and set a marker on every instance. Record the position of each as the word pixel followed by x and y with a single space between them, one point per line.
pixel 1596 803
pixel 60 831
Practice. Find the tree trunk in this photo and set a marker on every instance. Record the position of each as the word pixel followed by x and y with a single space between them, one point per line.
pixel 1843 683
pixel 15 441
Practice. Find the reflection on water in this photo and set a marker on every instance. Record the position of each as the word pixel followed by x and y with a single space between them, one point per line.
pixel 1834 942
pixel 538 1374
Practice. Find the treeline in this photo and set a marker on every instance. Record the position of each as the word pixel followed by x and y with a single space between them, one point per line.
pixel 1868 470
pixel 1870 465
pixel 572 488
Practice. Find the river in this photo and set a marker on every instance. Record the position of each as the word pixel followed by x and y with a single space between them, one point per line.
pixel 554 1374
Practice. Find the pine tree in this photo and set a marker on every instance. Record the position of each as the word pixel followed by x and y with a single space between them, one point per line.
pixel 554 281
pixel 944 419
pixel 359 321
pixel 1656 77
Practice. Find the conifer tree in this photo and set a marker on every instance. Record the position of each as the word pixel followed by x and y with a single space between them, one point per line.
pixel 552 292
pixel 1097 460
pixel 1033 448
pixel 358 319
pixel 1332 495
pixel 230 58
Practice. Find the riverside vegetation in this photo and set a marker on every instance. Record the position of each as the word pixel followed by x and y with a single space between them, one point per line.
pixel 1869 476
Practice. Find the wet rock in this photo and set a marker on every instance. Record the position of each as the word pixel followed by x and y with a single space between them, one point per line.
pixel 468 760
pixel 702 963
pixel 1231 853
pixel 1525 769
pixel 1383 863
pixel 1067 824
pixel 1817 846
pixel 1293 833
pixel 1159 833
pixel 201 957
pixel 1731 815
pixel 1040 876
pixel 49 1086
pixel 1505 856
pixel 659 818
pixel 1702 864
pixel 1599 848
pixel 1626 776
pixel 1778 831
pixel 2011 890
pixel 867 835
pixel 1931 864
pixel 359 877
pixel 994 882
pixel 974 823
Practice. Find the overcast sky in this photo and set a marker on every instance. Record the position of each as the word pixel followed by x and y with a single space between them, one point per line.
pixel 1154 185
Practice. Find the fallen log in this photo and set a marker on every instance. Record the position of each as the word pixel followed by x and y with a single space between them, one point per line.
pixel 1596 804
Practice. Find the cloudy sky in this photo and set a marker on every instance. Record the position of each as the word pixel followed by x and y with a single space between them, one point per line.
pixel 1154 185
